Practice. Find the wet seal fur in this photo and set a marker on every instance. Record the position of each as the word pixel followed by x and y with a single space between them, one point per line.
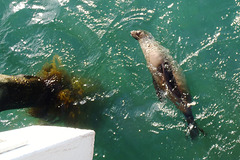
pixel 167 77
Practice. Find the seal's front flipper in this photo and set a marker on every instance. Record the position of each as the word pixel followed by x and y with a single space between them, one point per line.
pixel 159 92
pixel 171 81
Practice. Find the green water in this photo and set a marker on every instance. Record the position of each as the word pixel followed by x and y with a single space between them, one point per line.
pixel 93 40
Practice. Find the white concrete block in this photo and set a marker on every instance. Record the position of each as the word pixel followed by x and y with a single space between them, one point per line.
pixel 47 143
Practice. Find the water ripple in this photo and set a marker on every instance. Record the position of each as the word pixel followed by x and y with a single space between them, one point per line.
pixel 210 41
pixel 45 12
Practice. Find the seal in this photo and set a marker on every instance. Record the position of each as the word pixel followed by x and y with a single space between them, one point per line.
pixel 167 77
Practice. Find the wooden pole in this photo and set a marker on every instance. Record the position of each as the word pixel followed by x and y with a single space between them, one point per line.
pixel 24 91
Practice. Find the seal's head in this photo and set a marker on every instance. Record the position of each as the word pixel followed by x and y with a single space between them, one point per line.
pixel 139 34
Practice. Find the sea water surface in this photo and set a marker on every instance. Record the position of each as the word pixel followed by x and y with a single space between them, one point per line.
pixel 92 37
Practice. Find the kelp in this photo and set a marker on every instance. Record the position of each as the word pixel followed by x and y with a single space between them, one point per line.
pixel 67 91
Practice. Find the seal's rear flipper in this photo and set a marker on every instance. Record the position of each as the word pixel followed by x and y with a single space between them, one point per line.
pixel 193 130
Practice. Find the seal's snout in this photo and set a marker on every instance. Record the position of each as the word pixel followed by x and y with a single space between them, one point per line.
pixel 136 34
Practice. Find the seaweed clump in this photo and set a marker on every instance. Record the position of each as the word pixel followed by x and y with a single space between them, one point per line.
pixel 64 93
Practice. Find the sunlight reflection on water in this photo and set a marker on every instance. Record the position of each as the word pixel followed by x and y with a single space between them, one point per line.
pixel 93 40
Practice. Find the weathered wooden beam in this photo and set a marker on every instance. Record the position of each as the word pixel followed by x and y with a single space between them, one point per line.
pixel 23 91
